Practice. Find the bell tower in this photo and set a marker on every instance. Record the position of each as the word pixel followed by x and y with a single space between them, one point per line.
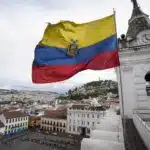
pixel 134 54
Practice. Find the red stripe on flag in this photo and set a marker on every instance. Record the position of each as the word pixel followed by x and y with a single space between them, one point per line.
pixel 55 73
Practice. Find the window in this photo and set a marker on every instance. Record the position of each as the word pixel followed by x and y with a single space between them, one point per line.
pixel 88 123
pixel 98 116
pixel 70 120
pixel 7 121
pixel 88 115
pixel 147 79
pixel 92 123
pixel 92 115
pixel 74 128
pixel 10 121
pixel 6 127
pixel 88 130
pixel 69 128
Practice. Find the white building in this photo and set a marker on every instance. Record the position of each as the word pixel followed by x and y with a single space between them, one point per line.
pixel 14 121
pixel 81 119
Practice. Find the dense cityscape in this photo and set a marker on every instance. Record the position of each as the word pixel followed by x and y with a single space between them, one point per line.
pixel 33 116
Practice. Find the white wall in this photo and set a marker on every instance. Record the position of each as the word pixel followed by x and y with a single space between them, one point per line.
pixel 134 66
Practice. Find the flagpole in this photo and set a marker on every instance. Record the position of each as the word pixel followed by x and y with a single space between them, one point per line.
pixel 120 78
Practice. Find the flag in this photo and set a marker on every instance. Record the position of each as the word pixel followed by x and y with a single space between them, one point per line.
pixel 68 48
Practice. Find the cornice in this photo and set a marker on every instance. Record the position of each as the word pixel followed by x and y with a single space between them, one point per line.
pixel 134 51
pixel 134 62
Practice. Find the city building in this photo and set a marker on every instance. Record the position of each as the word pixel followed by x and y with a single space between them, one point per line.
pixel 54 121
pixel 14 121
pixel 81 119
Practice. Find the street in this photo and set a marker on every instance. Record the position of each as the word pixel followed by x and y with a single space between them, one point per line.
pixel 31 140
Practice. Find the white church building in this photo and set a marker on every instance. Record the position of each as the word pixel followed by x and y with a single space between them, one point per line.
pixel 135 63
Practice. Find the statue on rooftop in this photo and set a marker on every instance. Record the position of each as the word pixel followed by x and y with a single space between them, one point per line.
pixel 135 4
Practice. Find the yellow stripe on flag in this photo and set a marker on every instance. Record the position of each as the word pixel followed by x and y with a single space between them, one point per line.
pixel 60 34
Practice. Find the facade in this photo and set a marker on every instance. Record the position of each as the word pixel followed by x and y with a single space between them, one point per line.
pixel 14 122
pixel 54 121
pixel 134 63
pixel 81 119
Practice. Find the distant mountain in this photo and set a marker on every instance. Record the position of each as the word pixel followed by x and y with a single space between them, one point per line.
pixel 91 90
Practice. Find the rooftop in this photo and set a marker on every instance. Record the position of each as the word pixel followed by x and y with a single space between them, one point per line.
pixel 14 114
pixel 56 114
pixel 87 107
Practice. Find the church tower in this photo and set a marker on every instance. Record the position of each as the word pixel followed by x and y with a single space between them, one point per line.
pixel 134 53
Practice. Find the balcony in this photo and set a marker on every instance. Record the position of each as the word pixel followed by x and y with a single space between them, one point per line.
pixel 141 120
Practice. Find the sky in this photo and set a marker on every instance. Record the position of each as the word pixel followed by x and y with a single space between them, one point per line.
pixel 22 25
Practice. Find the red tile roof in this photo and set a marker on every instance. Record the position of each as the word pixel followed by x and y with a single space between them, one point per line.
pixel 14 114
pixel 60 114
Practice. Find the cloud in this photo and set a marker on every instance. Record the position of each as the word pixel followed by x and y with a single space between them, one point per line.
pixel 22 25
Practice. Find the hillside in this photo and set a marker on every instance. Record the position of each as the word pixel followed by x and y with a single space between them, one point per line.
pixel 92 89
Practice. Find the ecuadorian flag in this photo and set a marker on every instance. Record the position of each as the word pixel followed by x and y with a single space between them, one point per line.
pixel 68 48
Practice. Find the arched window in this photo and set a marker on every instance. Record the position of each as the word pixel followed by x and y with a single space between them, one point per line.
pixel 147 79
pixel 147 76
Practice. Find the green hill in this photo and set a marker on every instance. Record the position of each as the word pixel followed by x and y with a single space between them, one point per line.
pixel 92 89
